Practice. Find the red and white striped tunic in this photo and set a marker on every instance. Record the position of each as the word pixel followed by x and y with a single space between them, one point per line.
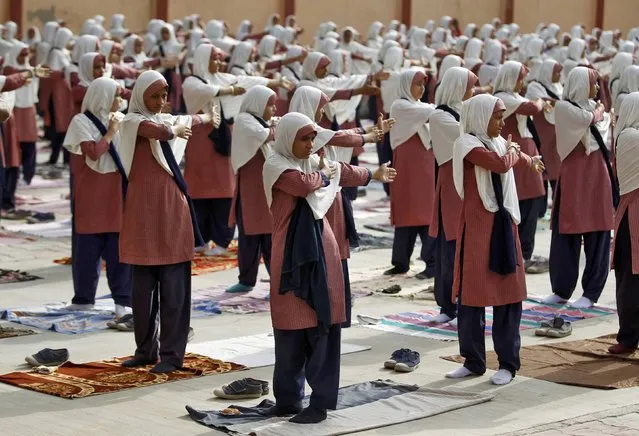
pixel 256 216
pixel 548 137
pixel 451 205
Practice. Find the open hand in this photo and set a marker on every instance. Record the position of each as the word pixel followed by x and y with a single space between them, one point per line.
pixel 114 123
pixel 182 131
pixel 216 118
pixel 385 174
pixel 41 72
pixel 537 164
pixel 385 125
pixel 328 170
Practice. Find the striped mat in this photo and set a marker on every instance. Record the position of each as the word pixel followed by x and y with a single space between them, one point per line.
pixel 418 324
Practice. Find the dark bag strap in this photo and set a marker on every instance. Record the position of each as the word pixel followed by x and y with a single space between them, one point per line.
pixel 293 71
pixel 221 137
pixel 450 110
pixel 614 183
pixel 548 91
pixel 112 151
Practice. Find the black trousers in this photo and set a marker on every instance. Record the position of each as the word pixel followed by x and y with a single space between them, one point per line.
pixel 565 250
pixel 404 244
pixel 9 188
pixel 529 210
pixel 627 288
pixel 213 218
pixel 471 326
pixel 350 192
pixel 307 355
pixel 88 252
pixel 57 139
pixel 28 160
pixel 385 154
pixel 444 273
pixel 250 249
pixel 348 297
pixel 162 298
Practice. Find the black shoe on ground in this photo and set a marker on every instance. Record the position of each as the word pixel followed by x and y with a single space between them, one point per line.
pixel 48 357
pixel 395 271
pixel 240 390
pixel 293 409
pixel 163 368
pixel 310 415
pixel 425 275
pixel 136 362
pixel 407 362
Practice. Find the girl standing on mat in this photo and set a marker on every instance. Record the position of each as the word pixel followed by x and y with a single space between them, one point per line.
pixel 307 313
pixel 488 262
pixel 159 228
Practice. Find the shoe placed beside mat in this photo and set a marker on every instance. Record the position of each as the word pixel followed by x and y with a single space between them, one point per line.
pixel 15 276
pixel 556 328
pixel 48 357
pixel 246 388
pixel 8 331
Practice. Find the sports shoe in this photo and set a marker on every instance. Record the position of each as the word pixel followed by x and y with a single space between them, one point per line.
pixel 240 389
pixel 397 356
pixel 125 324
pixel 48 357
pixel 408 363
pixel 425 275
pixel 557 328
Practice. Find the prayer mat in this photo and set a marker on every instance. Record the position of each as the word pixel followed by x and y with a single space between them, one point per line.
pixel 418 323
pixel 7 331
pixel 11 276
pixel 80 380
pixel 584 363
pixel 386 228
pixel 360 407
pixel 56 229
pixel 373 281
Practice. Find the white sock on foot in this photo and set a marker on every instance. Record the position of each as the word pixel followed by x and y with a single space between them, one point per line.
pixel 120 310
pixel 460 372
pixel 79 307
pixel 553 299
pixel 453 322
pixel 582 303
pixel 501 377
pixel 215 251
pixel 441 318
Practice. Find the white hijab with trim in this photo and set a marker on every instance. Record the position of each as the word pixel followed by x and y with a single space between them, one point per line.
pixel 535 90
pixel 27 95
pixel 627 144
pixel 475 116
pixel 411 115
pixel 505 83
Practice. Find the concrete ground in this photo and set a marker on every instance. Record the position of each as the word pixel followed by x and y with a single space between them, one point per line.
pixel 526 406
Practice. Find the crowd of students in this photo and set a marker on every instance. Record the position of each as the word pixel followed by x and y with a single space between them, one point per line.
pixel 482 127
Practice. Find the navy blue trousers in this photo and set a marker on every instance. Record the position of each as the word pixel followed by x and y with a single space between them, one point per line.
pixel 444 273
pixel 471 325
pixel 347 294
pixel 213 218
pixel 565 250
pixel 404 244
pixel 57 139
pixel 162 298
pixel 28 160
pixel 529 210
pixel 88 252
pixel 250 249
pixel 307 355
pixel 385 154
pixel 11 176
pixel 627 288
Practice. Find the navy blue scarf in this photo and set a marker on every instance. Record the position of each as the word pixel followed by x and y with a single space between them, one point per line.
pixel 112 151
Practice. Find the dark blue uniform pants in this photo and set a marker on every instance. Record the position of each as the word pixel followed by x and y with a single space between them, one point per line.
pixel 404 243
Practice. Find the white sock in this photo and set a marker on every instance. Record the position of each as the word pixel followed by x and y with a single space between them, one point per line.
pixel 460 372
pixel 120 310
pixel 501 377
pixel 553 299
pixel 453 322
pixel 582 303
pixel 79 307
pixel 441 318
pixel 216 251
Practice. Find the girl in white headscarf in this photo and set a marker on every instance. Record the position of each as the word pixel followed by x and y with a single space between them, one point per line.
pixel 361 56
pixel 32 39
pixel 487 32
pixel 157 235
pixel 519 125
pixel 628 83
pixel 585 199
pixel 375 39
pixel 302 185
pixel 494 56
pixel 625 249
pixel 243 30
pixel 488 262
pixel 134 53
pixel 152 35
pixel 576 56
pixel 172 52
pixel 99 187
pixel 273 20
pixel 456 86
pixel 471 30
pixel 117 29
pixel 473 55
pixel 413 193
pixel 619 64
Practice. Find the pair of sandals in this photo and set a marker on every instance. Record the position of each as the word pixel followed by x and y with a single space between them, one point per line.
pixel 556 328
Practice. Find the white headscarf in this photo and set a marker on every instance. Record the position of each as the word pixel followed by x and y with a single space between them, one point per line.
pixel 198 96
pixel 59 56
pixel 572 123
pixel 293 71
pixel 486 31
pixel 243 30
pixel 239 63
pixel 444 129
pixel 283 159
pixel 32 43
pixel 505 83
pixel 492 60
pixel 577 31
pixel 448 62
pixel 627 144
pixel 85 69
pixel 249 135
pixel 27 95
pixel 172 47
pixel 306 100
pixel 411 115
pixel 472 54
pixel 537 89
pixel 470 29
pixel 393 62
pixel 139 113
pixel 619 64
pixel 270 22
pixel 628 47
pixel 117 29
pixel 266 47
pixel 98 101
pixel 628 83
pixel 475 116
pixel 83 45
pixel 375 39
pixel 48 35
pixel 417 48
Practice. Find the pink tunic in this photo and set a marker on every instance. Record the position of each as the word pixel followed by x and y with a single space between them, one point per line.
pixel 482 287
pixel 351 176
pixel 256 217
pixel 586 195
pixel 548 137
pixel 97 197
pixel 12 158
pixel 156 226
pixel 62 101
pixel 629 204
pixel 413 191
pixel 451 205
pixel 287 311
pixel 208 174
pixel 78 92
pixel 530 184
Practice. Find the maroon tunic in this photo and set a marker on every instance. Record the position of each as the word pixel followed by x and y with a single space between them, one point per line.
pixel 586 195
pixel 26 123
pixel 97 197
pixel 156 226
pixel 289 312
pixel 629 204
pixel 482 287
pixel 451 205
pixel 530 184
pixel 413 191
pixel 10 149
pixel 62 101
pixel 256 217
pixel 208 174
pixel 78 92
pixel 548 137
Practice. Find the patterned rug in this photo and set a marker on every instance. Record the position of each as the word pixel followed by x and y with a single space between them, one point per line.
pixel 73 380
pixel 11 276
pixel 584 363
pixel 7 331
pixel 418 323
